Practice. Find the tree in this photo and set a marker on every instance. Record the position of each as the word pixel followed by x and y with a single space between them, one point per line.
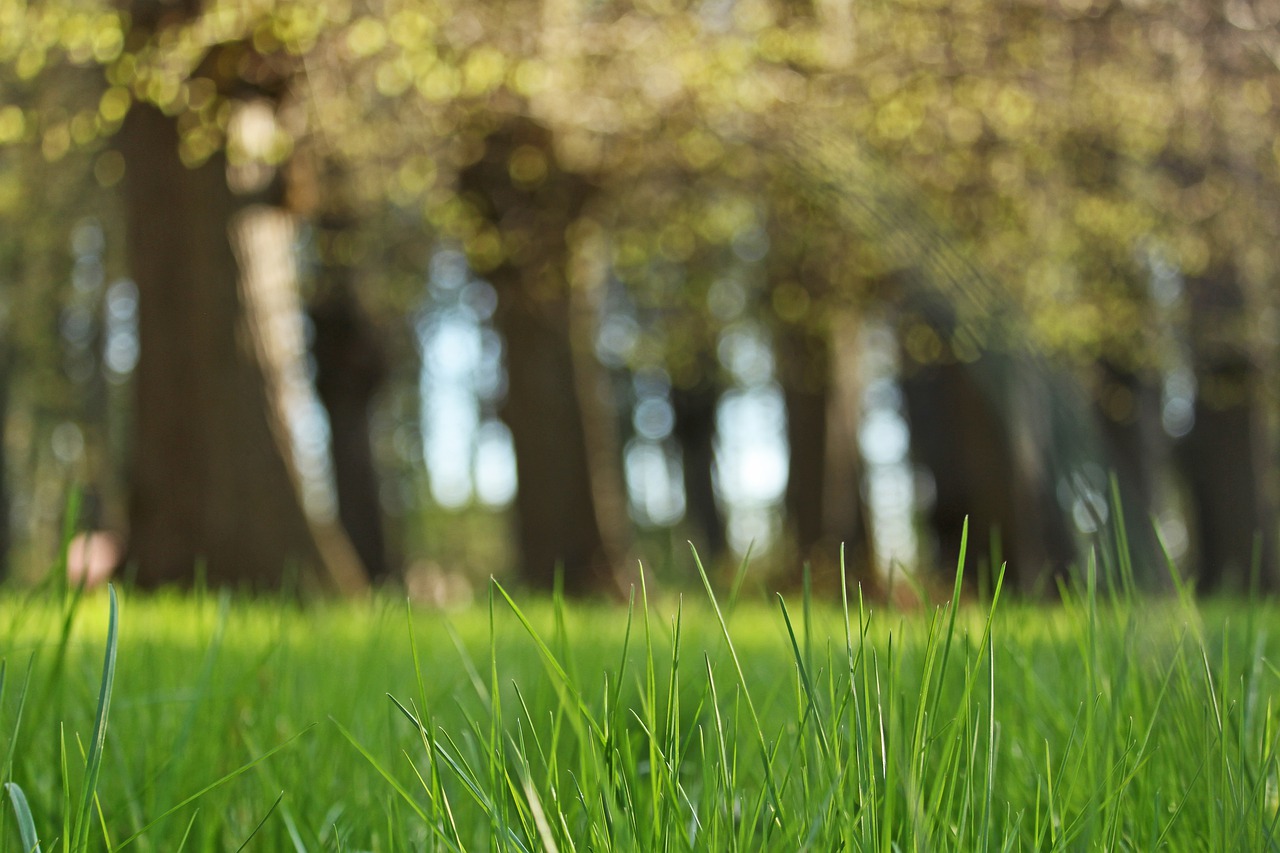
pixel 213 485
pixel 1226 455
pixel 981 429
pixel 351 366
pixel 530 203
pixel 695 400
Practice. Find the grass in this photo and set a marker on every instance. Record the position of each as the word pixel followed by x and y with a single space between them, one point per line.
pixel 1108 722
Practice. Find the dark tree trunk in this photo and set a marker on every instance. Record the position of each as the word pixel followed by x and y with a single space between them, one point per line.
pixel 823 499
pixel 213 485
pixel 351 366
pixel 560 505
pixel 6 530
pixel 695 432
pixel 555 508
pixel 988 467
pixel 1136 449
pixel 1226 457
pixel 804 371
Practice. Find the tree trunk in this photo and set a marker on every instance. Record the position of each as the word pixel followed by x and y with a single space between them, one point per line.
pixel 6 530
pixel 804 371
pixel 1136 449
pixel 213 484
pixel 846 516
pixel 986 466
pixel 1225 457
pixel 695 432
pixel 556 513
pixel 823 499
pixel 351 366
pixel 559 503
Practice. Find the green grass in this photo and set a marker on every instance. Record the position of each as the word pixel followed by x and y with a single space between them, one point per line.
pixel 1109 722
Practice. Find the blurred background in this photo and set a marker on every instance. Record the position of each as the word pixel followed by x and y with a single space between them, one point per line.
pixel 336 293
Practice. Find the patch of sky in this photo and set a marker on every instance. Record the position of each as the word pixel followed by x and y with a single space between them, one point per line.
pixel 468 451
pixel 120 332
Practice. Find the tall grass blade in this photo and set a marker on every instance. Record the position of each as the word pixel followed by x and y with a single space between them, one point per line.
pixel 382 771
pixel 564 684
pixel 26 825
pixel 182 845
pixel 261 823
pixel 742 683
pixel 811 698
pixel 93 763
pixel 212 786
pixel 7 766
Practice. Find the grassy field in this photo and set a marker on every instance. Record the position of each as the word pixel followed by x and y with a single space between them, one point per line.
pixel 1106 723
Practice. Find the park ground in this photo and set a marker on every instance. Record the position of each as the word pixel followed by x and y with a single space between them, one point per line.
pixel 1104 722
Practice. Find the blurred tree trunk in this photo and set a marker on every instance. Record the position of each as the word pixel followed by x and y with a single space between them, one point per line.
pixel 561 507
pixel 1137 449
pixel 956 435
pixel 558 526
pixel 816 357
pixel 804 371
pixel 986 465
pixel 351 367
pixel 213 483
pixel 846 516
pixel 695 431
pixel 6 530
pixel 823 499
pixel 1225 457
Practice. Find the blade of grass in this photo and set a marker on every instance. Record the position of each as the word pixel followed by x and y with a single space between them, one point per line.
pixel 7 766
pixel 435 788
pixel 742 683
pixel 182 845
pixel 460 769
pixel 261 823
pixel 563 683
pixel 811 697
pixel 213 786
pixel 26 825
pixel 93 764
pixel 382 771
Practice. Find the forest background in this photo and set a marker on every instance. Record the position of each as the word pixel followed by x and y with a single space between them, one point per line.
pixel 331 294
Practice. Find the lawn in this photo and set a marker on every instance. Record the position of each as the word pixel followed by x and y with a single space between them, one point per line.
pixel 1108 722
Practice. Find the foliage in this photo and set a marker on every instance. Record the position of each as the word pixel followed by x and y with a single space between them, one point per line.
pixel 1047 166
pixel 1066 141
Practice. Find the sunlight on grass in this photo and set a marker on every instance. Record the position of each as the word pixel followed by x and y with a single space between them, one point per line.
pixel 1107 722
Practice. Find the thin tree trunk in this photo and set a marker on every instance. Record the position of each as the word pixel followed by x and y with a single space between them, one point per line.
pixel 846 516
pixel 1226 457
pixel 351 366
pixel 1136 449
pixel 804 371
pixel 695 432
pixel 6 530
pixel 599 408
pixel 559 503
pixel 556 513
pixel 823 498
pixel 213 485
pixel 987 466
